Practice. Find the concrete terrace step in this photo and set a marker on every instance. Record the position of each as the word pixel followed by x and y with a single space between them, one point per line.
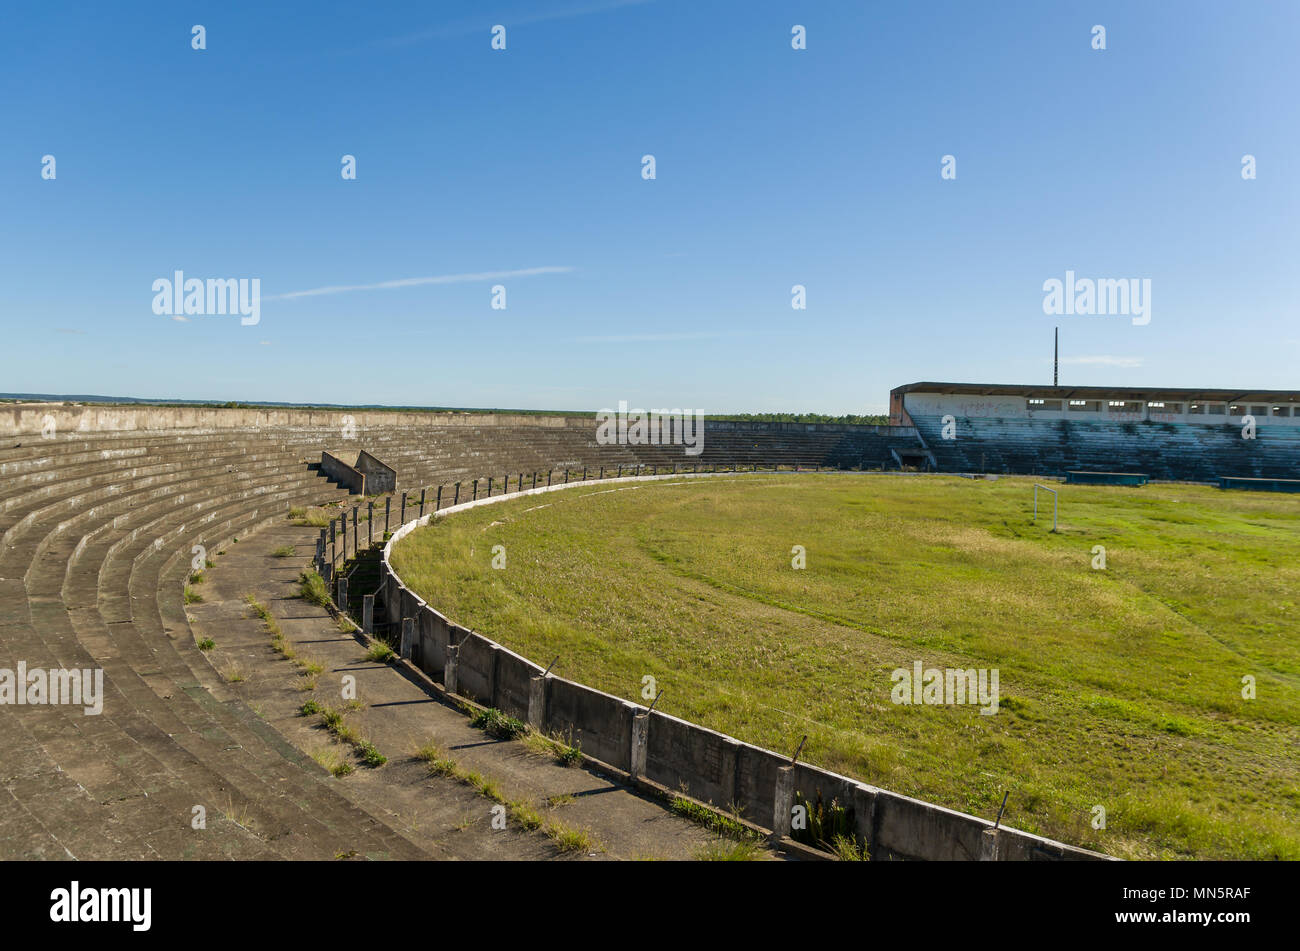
pixel 189 755
pixel 117 778
pixel 165 650
pixel 121 496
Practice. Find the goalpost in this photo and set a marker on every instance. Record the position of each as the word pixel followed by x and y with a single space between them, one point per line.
pixel 1055 502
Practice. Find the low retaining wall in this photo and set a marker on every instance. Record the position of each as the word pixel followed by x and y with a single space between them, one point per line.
pixel 674 754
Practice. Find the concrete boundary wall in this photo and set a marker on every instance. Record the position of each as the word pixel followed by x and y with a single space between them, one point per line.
pixel 29 419
pixel 674 753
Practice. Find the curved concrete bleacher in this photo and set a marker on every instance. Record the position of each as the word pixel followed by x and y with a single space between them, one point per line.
pixel 95 546
pixel 460 454
pixel 98 525
pixel 1168 451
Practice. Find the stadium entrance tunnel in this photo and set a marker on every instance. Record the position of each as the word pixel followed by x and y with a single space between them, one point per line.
pixel 913 458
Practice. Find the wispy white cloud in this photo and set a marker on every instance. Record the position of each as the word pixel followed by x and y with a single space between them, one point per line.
pixel 1105 360
pixel 421 281
pixel 462 27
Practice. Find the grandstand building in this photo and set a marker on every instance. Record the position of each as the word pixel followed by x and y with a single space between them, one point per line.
pixel 1200 435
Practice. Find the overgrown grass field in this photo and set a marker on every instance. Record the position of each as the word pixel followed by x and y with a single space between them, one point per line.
pixel 1120 688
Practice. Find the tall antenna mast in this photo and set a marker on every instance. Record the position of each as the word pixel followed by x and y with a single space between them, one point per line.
pixel 1056 355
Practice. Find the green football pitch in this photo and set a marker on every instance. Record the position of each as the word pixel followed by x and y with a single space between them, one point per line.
pixel 1125 687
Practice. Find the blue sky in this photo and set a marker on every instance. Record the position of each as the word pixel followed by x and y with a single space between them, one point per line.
pixel 775 167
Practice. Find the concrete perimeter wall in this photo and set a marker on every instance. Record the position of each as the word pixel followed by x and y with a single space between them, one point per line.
pixel 28 419
pixel 674 754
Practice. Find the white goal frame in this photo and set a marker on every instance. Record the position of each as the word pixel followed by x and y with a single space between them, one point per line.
pixel 1056 502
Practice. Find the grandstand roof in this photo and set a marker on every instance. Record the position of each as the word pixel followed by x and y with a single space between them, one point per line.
pixel 1103 392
